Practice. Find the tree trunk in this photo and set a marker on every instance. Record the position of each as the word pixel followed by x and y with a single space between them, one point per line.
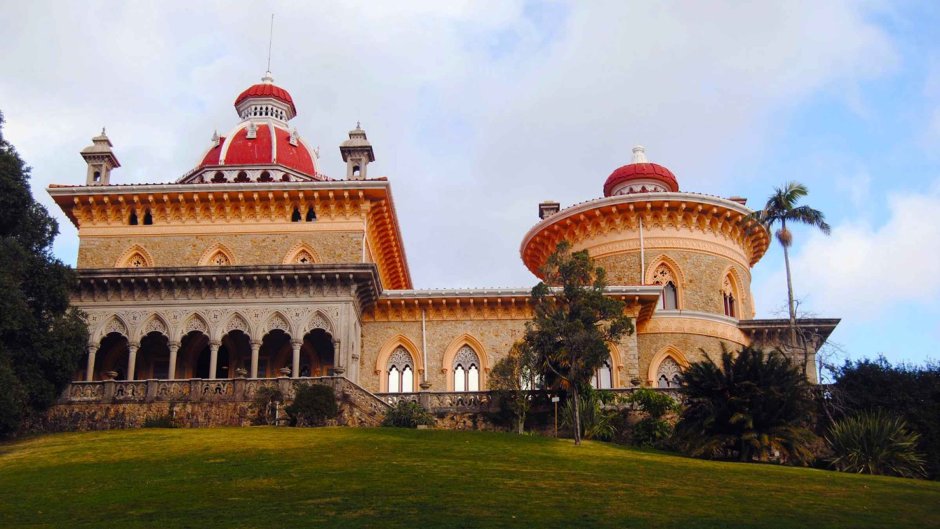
pixel 577 414
pixel 790 304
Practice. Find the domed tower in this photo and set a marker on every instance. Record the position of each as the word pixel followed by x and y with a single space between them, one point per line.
pixel 262 147
pixel 698 249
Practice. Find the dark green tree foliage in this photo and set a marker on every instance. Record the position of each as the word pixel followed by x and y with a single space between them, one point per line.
pixel 751 406
pixel 912 393
pixel 313 405
pixel 42 340
pixel 573 322
pixel 653 429
pixel 512 379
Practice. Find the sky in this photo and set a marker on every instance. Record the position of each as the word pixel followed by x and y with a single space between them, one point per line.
pixel 478 111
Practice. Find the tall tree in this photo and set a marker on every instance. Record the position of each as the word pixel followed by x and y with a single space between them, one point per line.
pixel 782 208
pixel 512 380
pixel 573 322
pixel 41 339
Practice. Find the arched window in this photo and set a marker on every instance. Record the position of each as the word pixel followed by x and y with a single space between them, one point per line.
pixel 355 170
pixel 133 220
pixel 285 177
pixel 664 276
pixel 242 177
pixel 265 177
pixel 400 371
pixel 668 374
pixel 466 370
pixel 97 176
pixel 148 218
pixel 311 214
pixel 304 257
pixel 295 216
pixel 727 295
pixel 602 377
pixel 218 177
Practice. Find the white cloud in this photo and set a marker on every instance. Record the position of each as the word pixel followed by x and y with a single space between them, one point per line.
pixel 863 271
pixel 474 108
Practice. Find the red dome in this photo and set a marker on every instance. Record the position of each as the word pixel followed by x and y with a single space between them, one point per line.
pixel 271 145
pixel 267 90
pixel 640 169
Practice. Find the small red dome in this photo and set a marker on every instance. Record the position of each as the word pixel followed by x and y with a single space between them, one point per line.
pixel 640 169
pixel 267 90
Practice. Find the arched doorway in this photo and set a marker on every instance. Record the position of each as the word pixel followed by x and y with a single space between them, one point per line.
pixel 113 352
pixel 275 354
pixel 194 355
pixel 234 354
pixel 316 354
pixel 153 357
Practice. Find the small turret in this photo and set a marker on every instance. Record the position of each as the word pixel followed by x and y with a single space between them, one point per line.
pixel 100 159
pixel 357 153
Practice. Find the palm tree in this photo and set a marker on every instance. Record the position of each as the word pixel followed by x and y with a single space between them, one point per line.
pixel 781 208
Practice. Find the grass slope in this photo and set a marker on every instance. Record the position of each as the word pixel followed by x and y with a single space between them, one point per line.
pixel 341 477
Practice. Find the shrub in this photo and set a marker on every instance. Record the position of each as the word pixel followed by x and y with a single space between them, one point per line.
pixel 875 443
pixel 265 405
pixel 906 391
pixel 751 406
pixel 652 430
pixel 597 423
pixel 313 405
pixel 407 414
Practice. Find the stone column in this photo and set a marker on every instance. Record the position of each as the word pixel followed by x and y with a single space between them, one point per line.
pixel 255 348
pixel 131 359
pixel 90 371
pixel 213 359
pixel 174 348
pixel 338 368
pixel 295 363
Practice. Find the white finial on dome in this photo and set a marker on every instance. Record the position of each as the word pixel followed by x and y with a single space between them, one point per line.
pixel 268 78
pixel 639 154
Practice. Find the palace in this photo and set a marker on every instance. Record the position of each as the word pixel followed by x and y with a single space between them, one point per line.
pixel 255 265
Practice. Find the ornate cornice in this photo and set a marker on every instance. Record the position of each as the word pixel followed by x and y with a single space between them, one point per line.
pixel 719 219
pixel 208 284
pixel 488 304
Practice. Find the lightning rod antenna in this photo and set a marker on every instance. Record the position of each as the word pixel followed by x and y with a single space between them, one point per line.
pixel 270 41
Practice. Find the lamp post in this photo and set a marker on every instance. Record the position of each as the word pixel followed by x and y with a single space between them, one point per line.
pixel 555 400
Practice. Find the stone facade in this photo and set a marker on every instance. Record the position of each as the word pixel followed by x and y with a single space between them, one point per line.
pixel 179 250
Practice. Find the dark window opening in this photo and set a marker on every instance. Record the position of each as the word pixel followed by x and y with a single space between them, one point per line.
pixel 670 297
pixel 148 218
pixel 242 177
pixel 311 215
pixel 285 177
pixel 218 177
pixel 295 217
pixel 133 219
pixel 97 177
pixel 355 170
pixel 729 305
pixel 265 177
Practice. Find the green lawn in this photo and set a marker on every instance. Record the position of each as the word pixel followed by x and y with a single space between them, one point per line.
pixel 344 477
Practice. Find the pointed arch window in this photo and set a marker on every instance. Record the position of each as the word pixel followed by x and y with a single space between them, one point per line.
pixel 148 218
pixel 669 373
pixel 136 261
pixel 728 297
pixel 400 371
pixel 665 277
pixel 304 257
pixel 295 216
pixel 603 378
pixel 311 214
pixel 466 370
pixel 133 219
